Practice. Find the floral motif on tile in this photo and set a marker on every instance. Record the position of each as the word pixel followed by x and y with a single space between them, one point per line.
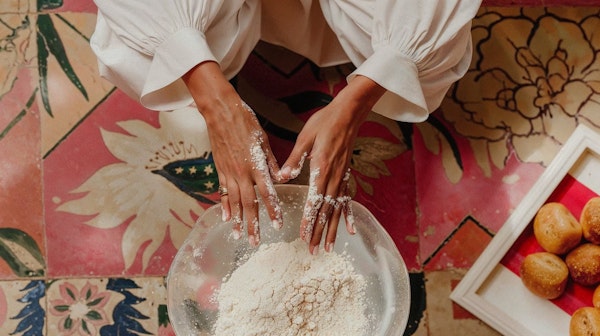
pixel 535 76
pixel 80 310
pixel 163 176
pixel 369 160
pixel 107 307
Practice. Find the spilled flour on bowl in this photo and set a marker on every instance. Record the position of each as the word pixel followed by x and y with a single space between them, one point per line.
pixel 283 290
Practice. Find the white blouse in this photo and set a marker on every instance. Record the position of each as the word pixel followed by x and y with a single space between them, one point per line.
pixel 415 49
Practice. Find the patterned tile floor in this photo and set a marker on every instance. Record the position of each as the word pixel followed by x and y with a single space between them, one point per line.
pixel 91 215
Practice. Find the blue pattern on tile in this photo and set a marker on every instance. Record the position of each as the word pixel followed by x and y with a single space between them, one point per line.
pixel 32 316
pixel 125 315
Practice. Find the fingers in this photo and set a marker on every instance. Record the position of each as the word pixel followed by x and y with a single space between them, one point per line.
pixel 344 204
pixel 250 212
pixel 333 226
pixel 341 205
pixel 271 202
pixel 323 220
pixel 322 213
pixel 274 169
pixel 241 204
pixel 313 204
pixel 232 211
pixel 252 167
pixel 225 208
pixel 264 165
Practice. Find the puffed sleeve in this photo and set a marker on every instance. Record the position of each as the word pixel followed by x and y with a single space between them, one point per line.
pixel 145 46
pixel 416 49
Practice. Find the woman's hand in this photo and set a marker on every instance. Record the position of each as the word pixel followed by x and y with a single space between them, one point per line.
pixel 241 151
pixel 327 140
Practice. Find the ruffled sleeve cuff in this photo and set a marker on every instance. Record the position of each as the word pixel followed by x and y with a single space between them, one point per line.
pixel 404 99
pixel 164 90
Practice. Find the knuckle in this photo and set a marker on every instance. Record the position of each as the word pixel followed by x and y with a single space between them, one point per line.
pixel 249 203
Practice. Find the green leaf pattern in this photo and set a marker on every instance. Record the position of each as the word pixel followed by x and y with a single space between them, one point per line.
pixel 49 43
pixel 21 252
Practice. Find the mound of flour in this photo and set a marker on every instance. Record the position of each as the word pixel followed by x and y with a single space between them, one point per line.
pixel 283 290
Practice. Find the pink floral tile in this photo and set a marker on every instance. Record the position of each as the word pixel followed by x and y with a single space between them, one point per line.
pixel 92 306
pixel 113 194
pixel 107 307
pixel 77 307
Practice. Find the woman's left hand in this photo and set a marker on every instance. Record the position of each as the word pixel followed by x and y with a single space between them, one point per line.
pixel 327 140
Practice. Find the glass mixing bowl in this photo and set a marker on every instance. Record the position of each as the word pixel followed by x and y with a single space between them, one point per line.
pixel 210 254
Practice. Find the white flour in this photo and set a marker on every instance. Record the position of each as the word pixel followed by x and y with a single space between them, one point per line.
pixel 283 290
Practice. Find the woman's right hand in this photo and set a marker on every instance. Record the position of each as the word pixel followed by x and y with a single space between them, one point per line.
pixel 241 150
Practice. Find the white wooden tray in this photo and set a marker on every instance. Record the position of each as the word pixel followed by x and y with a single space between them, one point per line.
pixel 492 289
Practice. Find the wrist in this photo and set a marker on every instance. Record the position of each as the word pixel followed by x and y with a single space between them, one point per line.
pixel 210 89
pixel 359 97
pixel 364 91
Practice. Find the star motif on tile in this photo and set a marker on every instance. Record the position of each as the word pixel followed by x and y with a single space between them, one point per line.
pixel 179 170
pixel 193 170
pixel 208 170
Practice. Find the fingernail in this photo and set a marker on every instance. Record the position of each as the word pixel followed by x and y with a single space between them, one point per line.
pixel 314 250
pixel 329 247
pixel 252 241
pixel 352 228
pixel 236 234
pixel 294 173
pixel 223 215
pixel 256 235
pixel 276 224
pixel 285 172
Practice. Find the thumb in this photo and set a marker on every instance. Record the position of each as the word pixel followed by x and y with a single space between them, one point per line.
pixel 293 165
